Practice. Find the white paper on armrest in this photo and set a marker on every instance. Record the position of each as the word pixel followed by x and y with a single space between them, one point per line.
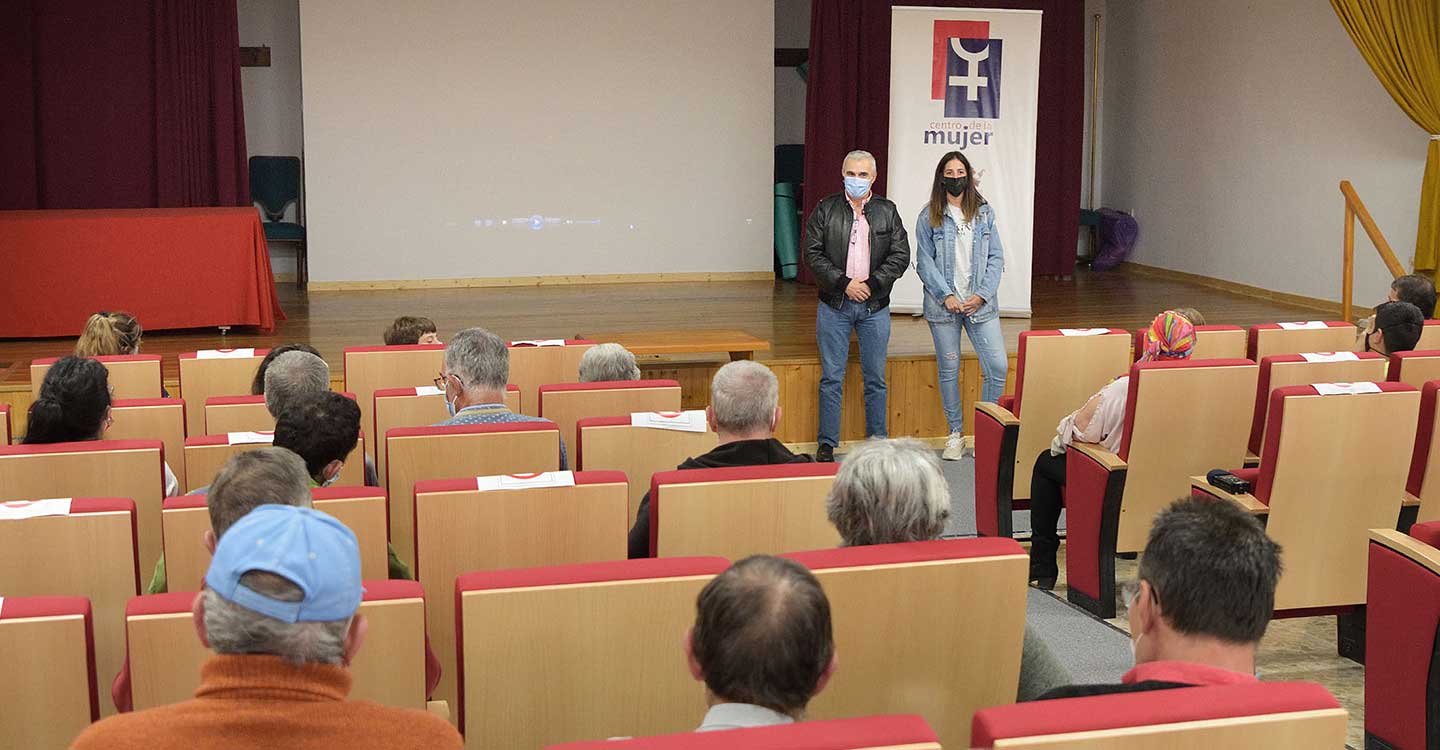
pixel 55 506
pixel 681 421
pixel 525 481
pixel 1337 389
pixel 1304 326
pixel 428 390
pixel 1083 331
pixel 224 354
pixel 1331 356
pixel 250 438
pixel 539 342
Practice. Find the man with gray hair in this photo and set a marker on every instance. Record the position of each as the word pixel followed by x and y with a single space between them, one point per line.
pixel 279 610
pixel 743 412
pixel 293 376
pixel 889 491
pixel 855 244
pixel 606 362
pixel 473 378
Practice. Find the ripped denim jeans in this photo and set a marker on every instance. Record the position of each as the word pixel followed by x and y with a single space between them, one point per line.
pixel 989 346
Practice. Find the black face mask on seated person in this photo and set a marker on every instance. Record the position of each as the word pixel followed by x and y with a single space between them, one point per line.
pixel 955 186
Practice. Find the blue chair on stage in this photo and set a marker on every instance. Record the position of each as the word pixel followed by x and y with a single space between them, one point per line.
pixel 275 185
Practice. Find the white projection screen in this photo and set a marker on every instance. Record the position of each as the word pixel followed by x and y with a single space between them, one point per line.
pixel 451 139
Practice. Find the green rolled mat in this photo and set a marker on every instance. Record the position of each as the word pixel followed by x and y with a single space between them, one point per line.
pixel 787 230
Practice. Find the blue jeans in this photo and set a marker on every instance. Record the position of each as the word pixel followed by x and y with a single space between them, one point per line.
pixel 989 346
pixel 832 333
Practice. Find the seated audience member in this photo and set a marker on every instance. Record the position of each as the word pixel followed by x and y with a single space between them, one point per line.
pixel 264 476
pixel 74 406
pixel 1202 599
pixel 608 362
pixel 1413 288
pixel 1396 327
pixel 323 429
pixel 108 334
pixel 761 643
pixel 476 370
pixel 408 329
pixel 892 491
pixel 1191 314
pixel 257 386
pixel 296 376
pixel 743 412
pixel 279 611
pixel 1101 420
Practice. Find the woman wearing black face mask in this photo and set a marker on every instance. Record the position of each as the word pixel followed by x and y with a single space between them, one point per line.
pixel 960 259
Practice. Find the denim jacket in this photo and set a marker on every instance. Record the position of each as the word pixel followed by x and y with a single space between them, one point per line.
pixel 935 257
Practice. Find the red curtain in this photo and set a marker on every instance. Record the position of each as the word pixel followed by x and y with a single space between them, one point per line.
pixel 847 106
pixel 133 104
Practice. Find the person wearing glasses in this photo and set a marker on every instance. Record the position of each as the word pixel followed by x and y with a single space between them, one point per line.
pixel 1200 603
pixel 473 379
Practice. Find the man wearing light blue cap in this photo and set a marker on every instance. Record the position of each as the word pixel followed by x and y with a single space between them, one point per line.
pixel 279 610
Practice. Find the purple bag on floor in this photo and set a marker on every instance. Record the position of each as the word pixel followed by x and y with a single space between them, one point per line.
pixel 1118 231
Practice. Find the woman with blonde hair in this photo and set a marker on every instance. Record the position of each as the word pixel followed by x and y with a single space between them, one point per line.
pixel 108 334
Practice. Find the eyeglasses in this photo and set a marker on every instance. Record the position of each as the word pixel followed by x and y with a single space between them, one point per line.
pixel 1131 591
pixel 440 383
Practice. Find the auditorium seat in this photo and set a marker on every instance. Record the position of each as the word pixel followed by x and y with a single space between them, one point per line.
pixel 1333 467
pixel 85 548
pixel 491 523
pixel 867 733
pixel 1429 335
pixel 1211 342
pixel 1282 370
pixel 417 407
pixel 1422 485
pixel 1255 716
pixel 371 368
pixel 186 519
pixel 536 363
pixel 131 375
pixel 215 372
pixel 1402 655
pixel 1183 418
pixel 6 435
pixel 206 455
pixel 1271 339
pixel 743 510
pixel 419 453
pixel 164 656
pixel 49 690
pixel 559 654
pixel 640 451
pixel 98 468
pixel 1415 368
pixel 929 592
pixel 1055 372
pixel 160 419
pixel 567 403
pixel 226 414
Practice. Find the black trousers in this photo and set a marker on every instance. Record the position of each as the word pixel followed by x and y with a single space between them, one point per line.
pixel 1047 498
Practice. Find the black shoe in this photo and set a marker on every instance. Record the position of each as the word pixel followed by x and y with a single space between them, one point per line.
pixel 1044 584
pixel 825 454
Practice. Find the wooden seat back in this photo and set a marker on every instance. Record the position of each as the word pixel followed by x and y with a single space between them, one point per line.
pixel 418 407
pixel 640 452
pixel 160 419
pixel 1402 618
pixel 415 454
pixel 215 372
pixel 48 649
pixel 1415 368
pixel 5 429
pixel 1423 481
pixel 226 414
pixel 532 366
pixel 567 403
pixel 371 368
pixel 131 375
pixel 740 511
pixel 206 455
pixel 1271 339
pixel 878 591
pixel 533 670
pixel 88 551
pixel 1284 370
pixel 867 733
pixel 1429 336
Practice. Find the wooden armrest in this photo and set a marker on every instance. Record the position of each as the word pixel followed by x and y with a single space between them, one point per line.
pixel 1246 500
pixel 1408 500
pixel 1251 460
pixel 998 413
pixel 439 708
pixel 1408 546
pixel 1100 456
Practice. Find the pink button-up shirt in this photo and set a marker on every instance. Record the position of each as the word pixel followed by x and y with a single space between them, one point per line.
pixel 857 260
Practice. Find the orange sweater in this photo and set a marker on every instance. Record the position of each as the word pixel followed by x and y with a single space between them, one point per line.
pixel 263 702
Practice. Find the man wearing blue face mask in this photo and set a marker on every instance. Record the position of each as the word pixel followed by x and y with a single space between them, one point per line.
pixel 855 244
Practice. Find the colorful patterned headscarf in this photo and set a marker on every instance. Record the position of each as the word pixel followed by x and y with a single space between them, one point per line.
pixel 1170 336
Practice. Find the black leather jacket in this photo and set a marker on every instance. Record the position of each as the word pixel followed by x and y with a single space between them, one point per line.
pixel 827 242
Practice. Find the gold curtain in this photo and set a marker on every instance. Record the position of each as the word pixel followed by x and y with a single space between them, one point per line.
pixel 1400 39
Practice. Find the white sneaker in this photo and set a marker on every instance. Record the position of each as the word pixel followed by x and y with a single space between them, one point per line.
pixel 954 447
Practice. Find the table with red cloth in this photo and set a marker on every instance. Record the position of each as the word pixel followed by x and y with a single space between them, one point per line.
pixel 169 267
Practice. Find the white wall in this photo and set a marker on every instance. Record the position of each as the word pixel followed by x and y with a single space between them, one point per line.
pixel 1228 126
pixel 792 29
pixel 272 95
pixel 652 118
